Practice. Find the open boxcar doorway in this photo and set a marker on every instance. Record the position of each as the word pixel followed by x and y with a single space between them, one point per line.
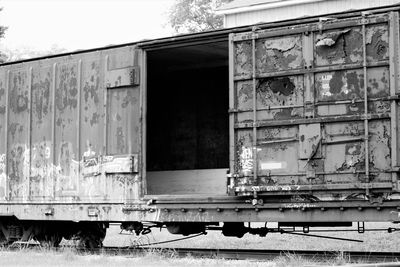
pixel 187 120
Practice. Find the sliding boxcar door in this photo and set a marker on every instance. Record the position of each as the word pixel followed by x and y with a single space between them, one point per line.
pixel 314 107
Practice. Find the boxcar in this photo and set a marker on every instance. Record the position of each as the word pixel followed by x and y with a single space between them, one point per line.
pixel 294 122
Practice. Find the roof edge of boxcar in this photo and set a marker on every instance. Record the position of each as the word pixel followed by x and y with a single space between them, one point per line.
pixel 220 34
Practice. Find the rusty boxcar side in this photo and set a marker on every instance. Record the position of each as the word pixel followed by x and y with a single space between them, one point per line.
pixel 315 108
pixel 70 128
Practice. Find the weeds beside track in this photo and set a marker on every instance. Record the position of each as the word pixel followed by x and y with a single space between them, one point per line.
pixel 230 254
pixel 256 254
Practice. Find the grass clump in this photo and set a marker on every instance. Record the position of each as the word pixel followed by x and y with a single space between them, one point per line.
pixel 290 259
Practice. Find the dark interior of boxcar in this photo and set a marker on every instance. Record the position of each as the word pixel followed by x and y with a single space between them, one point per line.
pixel 187 119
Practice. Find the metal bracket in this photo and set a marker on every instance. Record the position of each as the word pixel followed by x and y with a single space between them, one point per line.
pixel 321 23
pixel 360 227
pixel 137 208
pixel 49 212
pixel 93 212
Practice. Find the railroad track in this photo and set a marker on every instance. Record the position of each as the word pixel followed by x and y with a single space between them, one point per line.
pixel 234 254
pixel 264 254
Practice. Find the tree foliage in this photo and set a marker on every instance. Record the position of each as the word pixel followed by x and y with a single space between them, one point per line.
pixel 29 52
pixel 2 28
pixel 2 32
pixel 7 54
pixel 188 16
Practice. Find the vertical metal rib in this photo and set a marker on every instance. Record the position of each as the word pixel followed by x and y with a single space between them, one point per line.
pixel 53 131
pixel 29 131
pixel 232 154
pixel 78 126
pixel 143 116
pixel 105 107
pixel 6 135
pixel 394 87
pixel 254 105
pixel 366 130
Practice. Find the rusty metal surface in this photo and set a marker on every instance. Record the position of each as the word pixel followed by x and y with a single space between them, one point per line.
pixel 65 143
pixel 58 146
pixel 3 129
pixel 207 211
pixel 41 176
pixel 70 131
pixel 122 102
pixel 18 160
pixel 311 108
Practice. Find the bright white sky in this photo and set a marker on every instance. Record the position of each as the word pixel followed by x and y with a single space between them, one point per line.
pixel 81 24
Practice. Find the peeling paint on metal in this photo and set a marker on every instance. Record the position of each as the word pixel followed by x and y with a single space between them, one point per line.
pixel 243 59
pixel 92 111
pixel 67 88
pixel 41 95
pixel 349 84
pixel 344 46
pixel 329 39
pixel 332 153
pixel 275 54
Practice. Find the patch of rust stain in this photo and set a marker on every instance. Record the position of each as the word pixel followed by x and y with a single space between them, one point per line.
pixel 65 158
pixel 377 42
pixel 353 82
pixel 278 54
pixel 353 149
pixel 283 86
pixel 245 92
pixel 19 97
pixel 339 47
pixel 355 108
pixel 41 97
pixel 129 99
pixel 243 59
pixel 336 83
pixel 12 129
pixel 91 88
pixel 95 119
pixel 345 46
pixel 2 94
pixel 277 91
pixel 67 91
pixel 15 163
pixel 286 113
pixel 120 139
pixel 329 39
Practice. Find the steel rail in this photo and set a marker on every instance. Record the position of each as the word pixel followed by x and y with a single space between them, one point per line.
pixel 262 254
pixel 231 254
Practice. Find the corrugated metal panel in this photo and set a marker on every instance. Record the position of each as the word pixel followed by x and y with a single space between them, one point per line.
pixel 312 107
pixel 300 10
pixel 58 146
